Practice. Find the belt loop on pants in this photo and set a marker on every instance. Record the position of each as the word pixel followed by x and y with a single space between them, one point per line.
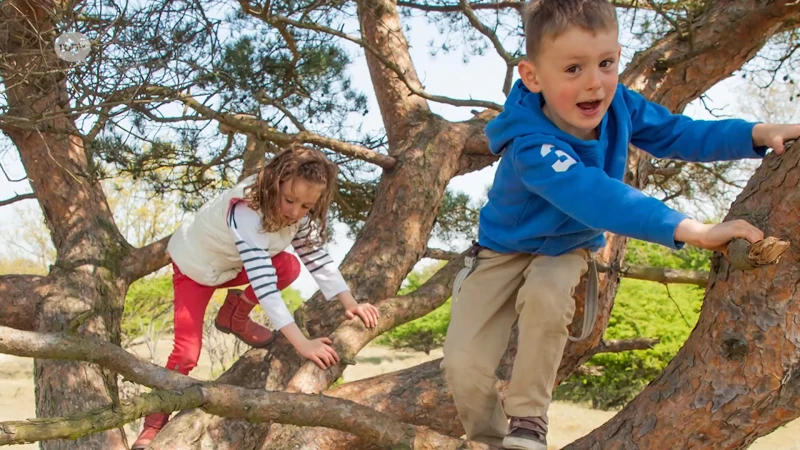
pixel 590 302
pixel 470 261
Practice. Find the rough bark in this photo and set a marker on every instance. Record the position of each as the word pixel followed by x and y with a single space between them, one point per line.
pixel 89 248
pixel 20 295
pixel 382 30
pixel 736 378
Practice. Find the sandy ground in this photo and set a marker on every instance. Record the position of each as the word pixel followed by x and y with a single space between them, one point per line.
pixel 567 421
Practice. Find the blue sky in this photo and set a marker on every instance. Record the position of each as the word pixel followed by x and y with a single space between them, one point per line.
pixel 445 74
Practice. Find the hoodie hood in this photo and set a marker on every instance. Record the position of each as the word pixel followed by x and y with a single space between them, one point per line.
pixel 523 116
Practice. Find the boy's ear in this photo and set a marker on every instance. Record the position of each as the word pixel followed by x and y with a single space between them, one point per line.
pixel 529 75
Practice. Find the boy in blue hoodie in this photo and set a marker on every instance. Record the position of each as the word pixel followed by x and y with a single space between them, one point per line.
pixel 563 136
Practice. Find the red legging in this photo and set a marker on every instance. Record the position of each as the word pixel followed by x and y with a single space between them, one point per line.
pixel 191 301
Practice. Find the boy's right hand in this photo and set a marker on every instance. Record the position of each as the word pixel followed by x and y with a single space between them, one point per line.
pixel 716 237
pixel 319 351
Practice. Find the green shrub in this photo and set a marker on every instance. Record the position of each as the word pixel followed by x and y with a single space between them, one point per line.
pixel 641 309
pixel 148 307
pixel 423 334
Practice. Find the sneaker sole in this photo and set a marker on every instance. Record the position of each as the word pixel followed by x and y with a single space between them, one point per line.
pixel 515 443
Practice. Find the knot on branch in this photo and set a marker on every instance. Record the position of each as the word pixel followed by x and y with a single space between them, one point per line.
pixel 745 256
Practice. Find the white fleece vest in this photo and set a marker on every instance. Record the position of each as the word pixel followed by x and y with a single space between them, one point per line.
pixel 203 249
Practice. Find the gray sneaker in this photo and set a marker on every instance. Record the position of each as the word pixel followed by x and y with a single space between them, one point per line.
pixel 526 433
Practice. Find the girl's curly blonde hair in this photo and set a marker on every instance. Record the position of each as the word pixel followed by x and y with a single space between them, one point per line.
pixel 294 162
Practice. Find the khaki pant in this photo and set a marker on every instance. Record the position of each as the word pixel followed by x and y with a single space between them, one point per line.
pixel 539 290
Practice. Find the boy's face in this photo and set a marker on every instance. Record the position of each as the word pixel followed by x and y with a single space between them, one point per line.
pixel 577 73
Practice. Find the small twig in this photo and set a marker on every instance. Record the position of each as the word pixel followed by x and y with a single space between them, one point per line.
pixel 263 131
pixel 676 306
pixel 414 87
pixel 666 17
pixel 11 180
pixel 17 198
pixel 475 21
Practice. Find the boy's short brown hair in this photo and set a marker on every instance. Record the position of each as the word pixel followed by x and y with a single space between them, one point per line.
pixel 546 19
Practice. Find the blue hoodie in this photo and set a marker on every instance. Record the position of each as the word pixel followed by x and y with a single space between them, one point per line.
pixel 554 193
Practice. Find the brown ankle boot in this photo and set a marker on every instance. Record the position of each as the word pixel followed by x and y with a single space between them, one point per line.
pixel 152 425
pixel 234 317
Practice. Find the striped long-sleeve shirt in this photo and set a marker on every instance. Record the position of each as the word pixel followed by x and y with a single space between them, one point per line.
pixel 244 224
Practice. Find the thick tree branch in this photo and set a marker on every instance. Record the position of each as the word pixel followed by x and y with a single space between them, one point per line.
pixel 235 402
pixel 17 198
pixel 74 347
pixel 436 253
pixel 250 125
pixel 624 345
pixel 475 21
pixel 146 260
pixel 662 275
pixel 747 321
pixel 318 410
pixel 255 405
pixel 108 418
pixel 658 274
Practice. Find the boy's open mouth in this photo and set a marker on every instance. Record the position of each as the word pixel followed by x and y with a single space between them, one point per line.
pixel 589 106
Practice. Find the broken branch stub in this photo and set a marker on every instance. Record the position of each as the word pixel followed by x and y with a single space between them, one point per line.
pixel 745 256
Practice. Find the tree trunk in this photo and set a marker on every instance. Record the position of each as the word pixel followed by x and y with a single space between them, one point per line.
pixel 736 378
pixel 85 277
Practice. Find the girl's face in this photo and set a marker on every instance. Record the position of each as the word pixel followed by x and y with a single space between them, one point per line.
pixel 298 196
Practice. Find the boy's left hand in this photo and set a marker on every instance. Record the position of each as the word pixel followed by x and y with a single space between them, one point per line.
pixel 367 312
pixel 774 135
